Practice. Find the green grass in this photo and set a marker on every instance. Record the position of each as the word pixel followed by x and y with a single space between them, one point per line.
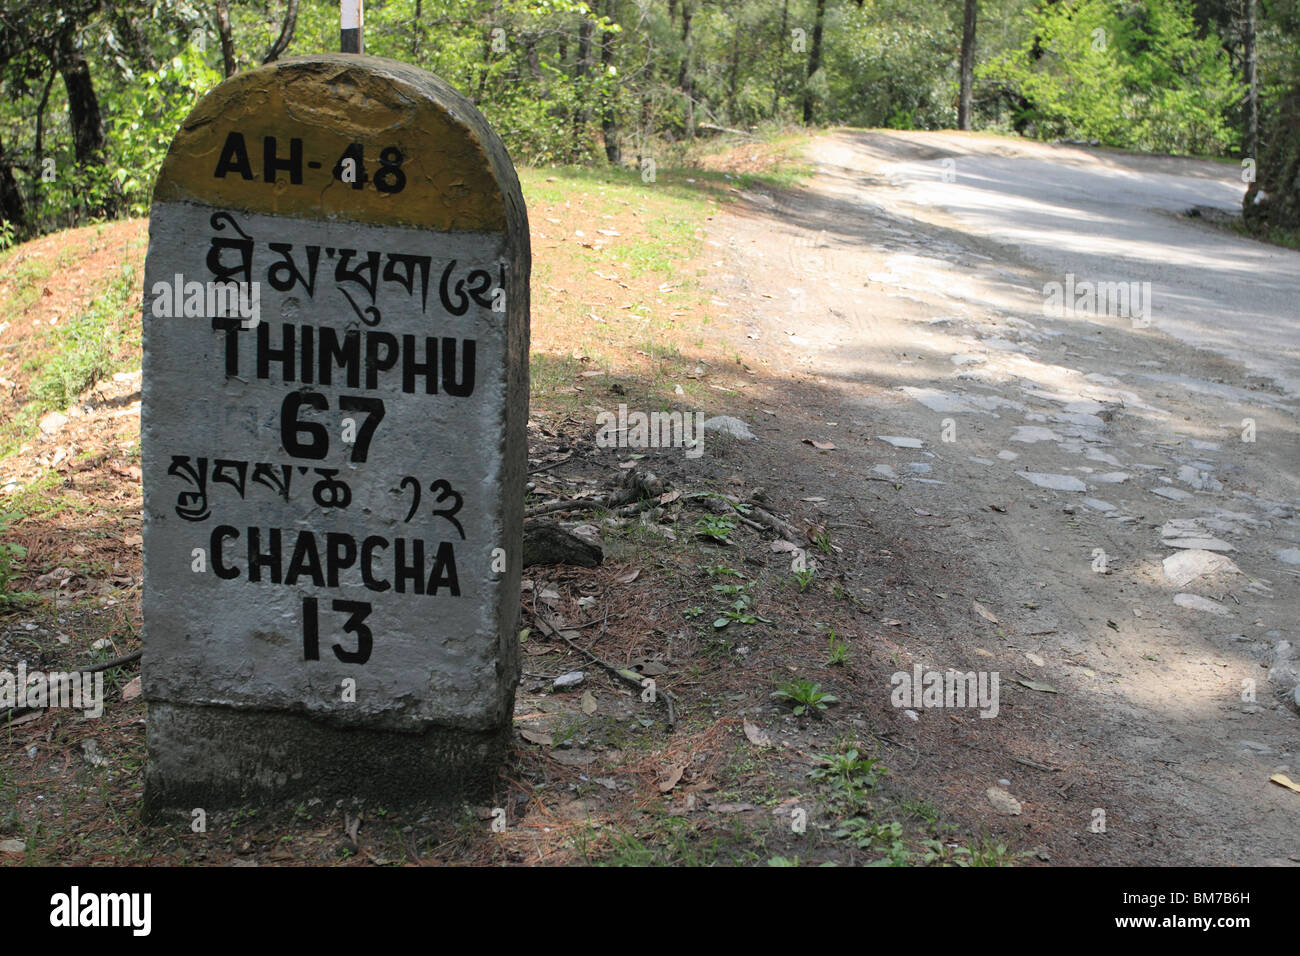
pixel 76 354
pixel 85 345
pixel 669 841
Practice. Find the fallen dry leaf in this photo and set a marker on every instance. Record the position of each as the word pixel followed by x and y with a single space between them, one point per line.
pixel 756 735
pixel 669 781
pixel 984 612
pixel 820 445
pixel 1038 685
pixel 1282 780
pixel 132 690
pixel 537 737
pixel 732 807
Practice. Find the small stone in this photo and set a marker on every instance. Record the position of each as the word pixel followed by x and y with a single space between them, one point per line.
pixel 13 846
pixel 1002 801
pixel 1030 434
pixel 726 425
pixel 899 441
pixel 1054 482
pixel 1289 556
pixel 1185 566
pixel 1198 479
pixel 52 422
pixel 90 748
pixel 571 679
pixel 1194 602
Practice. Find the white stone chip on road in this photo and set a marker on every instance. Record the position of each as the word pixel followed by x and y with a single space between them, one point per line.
pixel 1095 454
pixel 1188 533
pixel 1187 566
pixel 1194 602
pixel 1096 504
pixel 1200 480
pixel 900 442
pixel 1173 494
pixel 1033 433
pixel 1289 556
pixel 937 401
pixel 1203 544
pixel 1112 477
pixel 1055 482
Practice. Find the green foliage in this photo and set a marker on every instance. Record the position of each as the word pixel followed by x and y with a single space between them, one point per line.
pixel 10 556
pixel 1131 74
pixel 1271 206
pixel 148 113
pixel 838 653
pixel 805 696
pixel 803 578
pixel 894 66
pixel 848 769
pixel 716 527
pixel 739 612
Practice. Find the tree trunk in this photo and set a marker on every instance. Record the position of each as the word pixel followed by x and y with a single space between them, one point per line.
pixel 83 107
pixel 583 70
pixel 686 78
pixel 286 33
pixel 1250 144
pixel 12 207
pixel 782 40
pixel 609 113
pixel 735 72
pixel 814 61
pixel 968 64
pixel 39 147
pixel 531 57
pixel 136 42
pixel 223 33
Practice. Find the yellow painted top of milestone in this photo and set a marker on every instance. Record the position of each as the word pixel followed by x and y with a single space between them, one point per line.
pixel 422 155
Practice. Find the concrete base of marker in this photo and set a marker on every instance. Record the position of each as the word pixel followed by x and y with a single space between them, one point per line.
pixel 216 758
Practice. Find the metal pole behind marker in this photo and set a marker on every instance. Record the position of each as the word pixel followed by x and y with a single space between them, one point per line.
pixel 350 22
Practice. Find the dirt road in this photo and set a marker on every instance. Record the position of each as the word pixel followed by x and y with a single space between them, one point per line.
pixel 1095 495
